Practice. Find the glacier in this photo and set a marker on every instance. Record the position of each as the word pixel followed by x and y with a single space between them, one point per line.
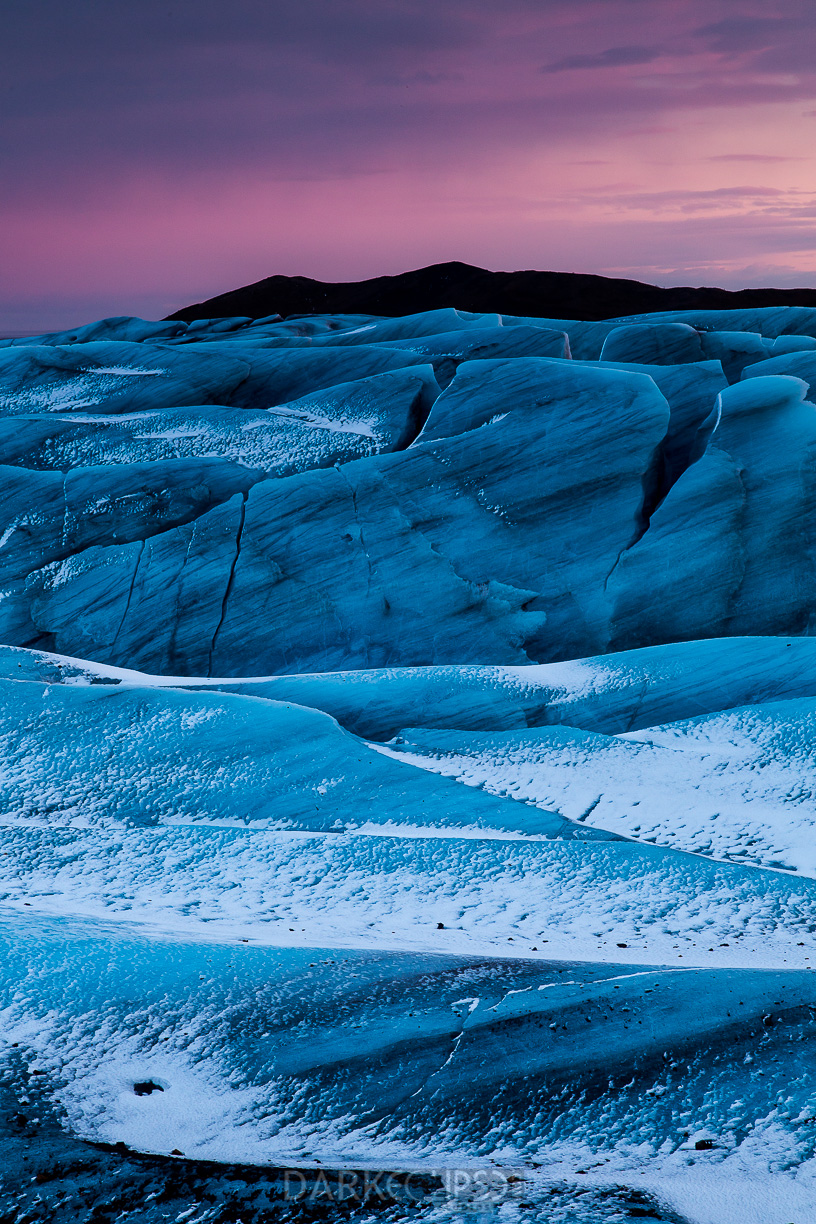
pixel 409 769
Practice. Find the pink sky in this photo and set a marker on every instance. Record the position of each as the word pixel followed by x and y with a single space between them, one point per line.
pixel 158 154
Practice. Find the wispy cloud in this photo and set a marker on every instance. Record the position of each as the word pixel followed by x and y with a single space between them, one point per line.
pixel 739 33
pixel 752 157
pixel 613 57
pixel 326 136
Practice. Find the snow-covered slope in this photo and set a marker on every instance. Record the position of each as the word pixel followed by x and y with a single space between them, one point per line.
pixel 408 761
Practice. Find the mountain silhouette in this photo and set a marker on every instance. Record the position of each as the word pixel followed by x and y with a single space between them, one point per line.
pixel 557 295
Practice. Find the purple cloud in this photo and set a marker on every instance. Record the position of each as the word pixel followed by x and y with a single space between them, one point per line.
pixel 139 112
pixel 752 157
pixel 613 57
pixel 733 35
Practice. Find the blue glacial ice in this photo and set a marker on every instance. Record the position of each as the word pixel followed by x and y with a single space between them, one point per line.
pixel 247 761
pixel 327 427
pixel 734 532
pixel 739 784
pixel 251 1062
pixel 409 762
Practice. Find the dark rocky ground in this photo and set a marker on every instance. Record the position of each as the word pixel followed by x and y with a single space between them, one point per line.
pixel 49 1177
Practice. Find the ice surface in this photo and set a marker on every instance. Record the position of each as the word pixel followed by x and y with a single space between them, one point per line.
pixel 111 377
pixel 738 785
pixel 486 1056
pixel 691 390
pixel 409 761
pixel 792 344
pixel 451 551
pixel 737 351
pixel 796 364
pixel 51 515
pixel 667 343
pixel 612 694
pixel 276 376
pixel 506 566
pixel 410 327
pixel 656 344
pixel 122 327
pixel 117 377
pixel 337 425
pixel 80 756
pixel 449 350
pixel 731 544
pixel 494 893
pixel 586 339
pixel 770 321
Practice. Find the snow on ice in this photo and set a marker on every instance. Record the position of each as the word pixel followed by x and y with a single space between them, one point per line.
pixel 409 756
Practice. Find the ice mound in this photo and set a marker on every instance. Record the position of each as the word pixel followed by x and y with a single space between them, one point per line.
pixel 736 785
pixel 409 763
pixel 331 426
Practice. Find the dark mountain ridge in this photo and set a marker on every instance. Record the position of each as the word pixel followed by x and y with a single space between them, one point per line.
pixel 561 295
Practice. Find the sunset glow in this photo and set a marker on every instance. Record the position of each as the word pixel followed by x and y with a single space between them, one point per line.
pixel 158 154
